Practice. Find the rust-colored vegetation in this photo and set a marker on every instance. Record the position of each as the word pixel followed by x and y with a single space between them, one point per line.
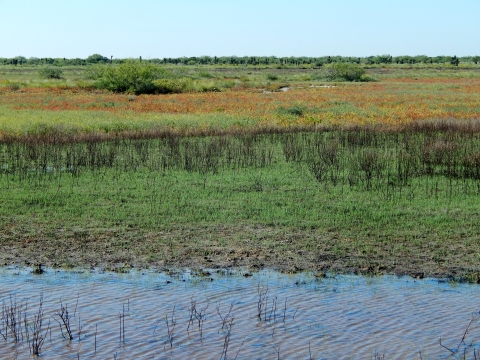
pixel 391 102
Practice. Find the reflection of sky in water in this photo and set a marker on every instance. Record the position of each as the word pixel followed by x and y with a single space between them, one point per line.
pixel 338 316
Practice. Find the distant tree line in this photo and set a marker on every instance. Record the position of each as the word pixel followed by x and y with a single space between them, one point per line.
pixel 250 60
pixel 21 60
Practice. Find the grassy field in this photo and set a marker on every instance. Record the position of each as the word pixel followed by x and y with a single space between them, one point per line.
pixel 399 96
pixel 375 177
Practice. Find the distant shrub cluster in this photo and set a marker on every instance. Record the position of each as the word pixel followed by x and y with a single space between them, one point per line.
pixel 136 77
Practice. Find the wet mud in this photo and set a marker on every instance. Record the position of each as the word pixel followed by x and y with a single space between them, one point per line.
pixel 229 247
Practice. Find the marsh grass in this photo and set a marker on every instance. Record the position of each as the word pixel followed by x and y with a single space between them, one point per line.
pixel 390 195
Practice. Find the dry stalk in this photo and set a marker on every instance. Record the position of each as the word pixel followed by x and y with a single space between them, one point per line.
pixel 192 309
pixel 273 310
pixel 121 318
pixel 228 326
pixel 295 313
pixel 34 330
pixel 262 300
pixel 277 350
pixel 12 316
pixel 171 322
pixel 462 340
pixel 64 321
pixel 196 314
pixel 225 319
pixel 378 356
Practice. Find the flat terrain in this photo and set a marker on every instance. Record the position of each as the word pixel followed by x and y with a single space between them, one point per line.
pixel 393 101
pixel 375 177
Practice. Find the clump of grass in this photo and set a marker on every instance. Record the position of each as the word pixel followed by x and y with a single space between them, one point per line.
pixel 12 86
pixel 38 270
pixel 294 110
pixel 205 74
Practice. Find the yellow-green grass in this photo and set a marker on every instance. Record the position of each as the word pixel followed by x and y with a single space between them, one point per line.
pixel 24 122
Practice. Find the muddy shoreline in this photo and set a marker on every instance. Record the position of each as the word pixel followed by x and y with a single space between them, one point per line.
pixel 223 247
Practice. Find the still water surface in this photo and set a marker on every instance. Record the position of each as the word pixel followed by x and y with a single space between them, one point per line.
pixel 302 317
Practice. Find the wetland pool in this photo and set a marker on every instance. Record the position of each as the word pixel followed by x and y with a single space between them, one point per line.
pixel 222 314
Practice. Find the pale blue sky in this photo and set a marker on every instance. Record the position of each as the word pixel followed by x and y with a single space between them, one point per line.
pixel 174 28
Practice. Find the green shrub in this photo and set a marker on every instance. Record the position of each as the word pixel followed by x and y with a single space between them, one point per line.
pixel 97 58
pixel 344 72
pixel 130 76
pixel 171 86
pixel 135 77
pixel 50 73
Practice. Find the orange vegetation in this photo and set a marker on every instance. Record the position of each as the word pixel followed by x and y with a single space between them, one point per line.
pixel 392 101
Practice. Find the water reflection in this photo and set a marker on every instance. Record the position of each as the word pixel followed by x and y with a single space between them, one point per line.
pixel 224 314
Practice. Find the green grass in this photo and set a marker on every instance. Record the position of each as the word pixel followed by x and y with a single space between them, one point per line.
pixel 182 200
pixel 224 77
pixel 282 195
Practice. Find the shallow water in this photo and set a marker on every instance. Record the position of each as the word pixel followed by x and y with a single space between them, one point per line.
pixel 302 316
